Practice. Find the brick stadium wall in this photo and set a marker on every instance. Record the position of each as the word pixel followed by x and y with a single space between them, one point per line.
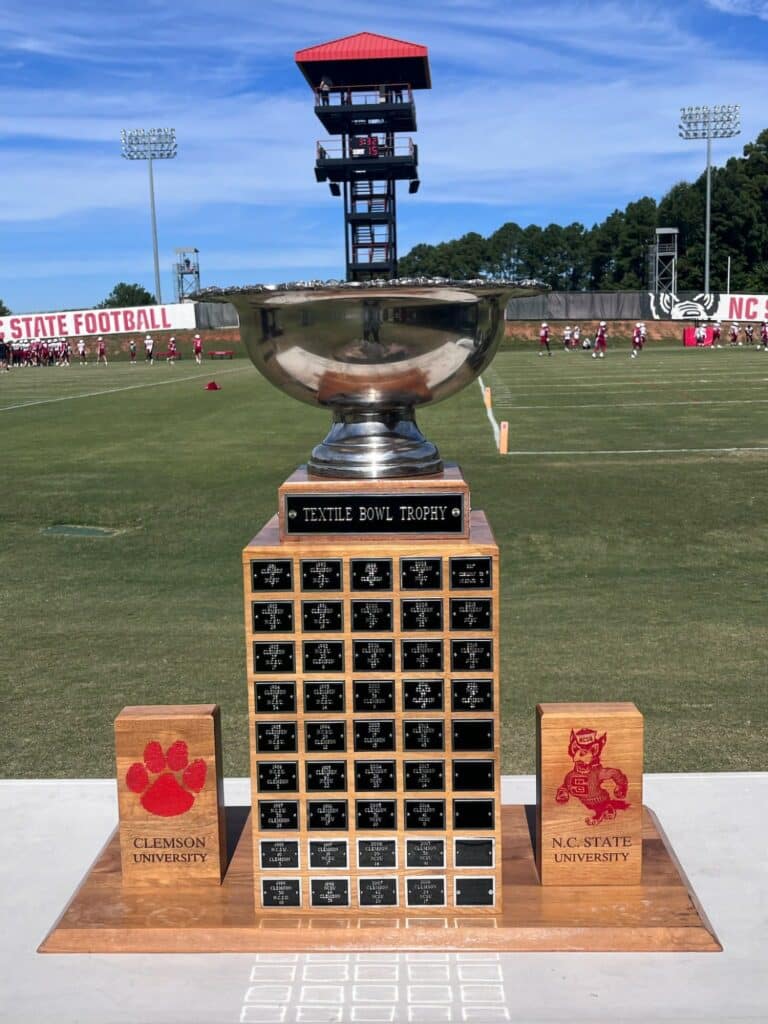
pixel 527 331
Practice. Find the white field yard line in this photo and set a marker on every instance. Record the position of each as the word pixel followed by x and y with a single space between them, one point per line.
pixel 637 405
pixel 128 387
pixel 512 399
pixel 646 451
pixel 489 413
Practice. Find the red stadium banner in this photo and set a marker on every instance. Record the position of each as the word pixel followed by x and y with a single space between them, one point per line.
pixel 74 323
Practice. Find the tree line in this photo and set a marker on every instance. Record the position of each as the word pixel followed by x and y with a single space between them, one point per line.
pixel 612 255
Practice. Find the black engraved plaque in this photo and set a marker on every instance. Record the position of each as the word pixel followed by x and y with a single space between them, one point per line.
pixel 278 815
pixel 423 694
pixel 422 655
pixel 371 616
pixel 373 514
pixel 326 776
pixel 471 655
pixel 323 696
pixel 423 614
pixel 329 892
pixel 323 655
pixel 324 736
pixel 374 734
pixel 425 892
pixel 423 734
pixel 425 775
pixel 328 853
pixel 426 814
pixel 278 854
pixel 421 573
pixel 281 892
pixel 376 814
pixel 425 853
pixel 372 776
pixel 371 573
pixel 471 574
pixel 472 694
pixel 474 892
pixel 274 656
pixel 372 695
pixel 473 853
pixel 276 737
pixel 376 853
pixel 322 616
pixel 271 698
pixel 278 776
pixel 473 814
pixel 373 655
pixel 272 616
pixel 271 574
pixel 472 733
pixel 378 892
pixel 321 574
pixel 472 775
pixel 469 613
pixel 329 815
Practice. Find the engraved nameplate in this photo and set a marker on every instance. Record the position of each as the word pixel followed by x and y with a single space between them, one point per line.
pixel 328 853
pixel 279 854
pixel 276 737
pixel 421 573
pixel 376 814
pixel 276 815
pixel 372 695
pixel 424 614
pixel 321 574
pixel 372 776
pixel 371 616
pixel 473 814
pixel 425 775
pixel 322 616
pixel 378 892
pixel 425 892
pixel 371 573
pixel 423 694
pixel 376 853
pixel 281 892
pixel 275 697
pixel 373 655
pixel 423 734
pixel 422 655
pixel 472 775
pixel 374 734
pixel 326 776
pixel 469 613
pixel 272 616
pixel 329 892
pixel 330 815
pixel 323 655
pixel 472 694
pixel 324 514
pixel 426 814
pixel 324 736
pixel 271 574
pixel 323 696
pixel 472 734
pixel 425 853
pixel 471 574
pixel 471 655
pixel 274 656
pixel 277 776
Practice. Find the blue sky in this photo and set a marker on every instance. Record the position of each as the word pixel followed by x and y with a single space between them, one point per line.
pixel 539 112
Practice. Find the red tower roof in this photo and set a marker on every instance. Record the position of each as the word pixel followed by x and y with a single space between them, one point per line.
pixel 366 58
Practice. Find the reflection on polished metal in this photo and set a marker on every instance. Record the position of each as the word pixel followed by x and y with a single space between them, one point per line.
pixel 370 355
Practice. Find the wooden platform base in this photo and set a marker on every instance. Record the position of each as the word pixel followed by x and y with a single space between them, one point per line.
pixel 661 914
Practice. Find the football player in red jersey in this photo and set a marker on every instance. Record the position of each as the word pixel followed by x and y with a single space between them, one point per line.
pixel 601 341
pixel 717 330
pixel 102 352
pixel 637 341
pixel 172 352
pixel 544 340
pixel 197 348
pixel 764 335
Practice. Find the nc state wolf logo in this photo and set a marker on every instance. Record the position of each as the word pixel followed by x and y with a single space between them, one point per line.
pixel 586 780
pixel 667 305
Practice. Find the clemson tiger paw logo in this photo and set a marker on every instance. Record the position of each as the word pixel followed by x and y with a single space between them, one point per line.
pixel 156 781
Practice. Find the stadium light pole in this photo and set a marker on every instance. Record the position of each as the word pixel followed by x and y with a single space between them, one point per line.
pixel 719 122
pixel 150 144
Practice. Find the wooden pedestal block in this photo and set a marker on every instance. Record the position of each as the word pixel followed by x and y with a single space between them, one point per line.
pixel 170 795
pixel 589 779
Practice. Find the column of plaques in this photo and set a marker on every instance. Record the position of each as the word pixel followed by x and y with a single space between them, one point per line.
pixel 373 681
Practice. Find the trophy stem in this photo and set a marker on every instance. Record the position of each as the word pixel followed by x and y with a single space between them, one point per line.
pixel 384 444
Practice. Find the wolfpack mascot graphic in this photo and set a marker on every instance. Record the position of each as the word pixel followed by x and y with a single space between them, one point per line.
pixel 667 306
pixel 586 780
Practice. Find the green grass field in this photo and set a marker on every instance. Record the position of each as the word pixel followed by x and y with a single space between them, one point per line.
pixel 632 516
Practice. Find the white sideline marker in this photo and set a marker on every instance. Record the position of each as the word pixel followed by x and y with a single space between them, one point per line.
pixel 647 451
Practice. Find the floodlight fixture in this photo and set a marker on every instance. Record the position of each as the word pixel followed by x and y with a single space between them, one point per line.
pixel 150 144
pixel 722 121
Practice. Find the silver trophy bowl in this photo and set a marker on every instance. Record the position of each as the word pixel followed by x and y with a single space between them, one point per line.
pixel 371 354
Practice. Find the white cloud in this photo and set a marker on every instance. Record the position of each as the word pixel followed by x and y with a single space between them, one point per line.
pixel 741 8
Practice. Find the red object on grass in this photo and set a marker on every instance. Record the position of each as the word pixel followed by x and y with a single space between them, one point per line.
pixel 212 386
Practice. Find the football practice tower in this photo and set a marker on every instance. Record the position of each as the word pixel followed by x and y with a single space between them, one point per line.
pixel 363 86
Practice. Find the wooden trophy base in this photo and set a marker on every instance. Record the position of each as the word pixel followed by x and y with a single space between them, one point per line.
pixel 661 914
